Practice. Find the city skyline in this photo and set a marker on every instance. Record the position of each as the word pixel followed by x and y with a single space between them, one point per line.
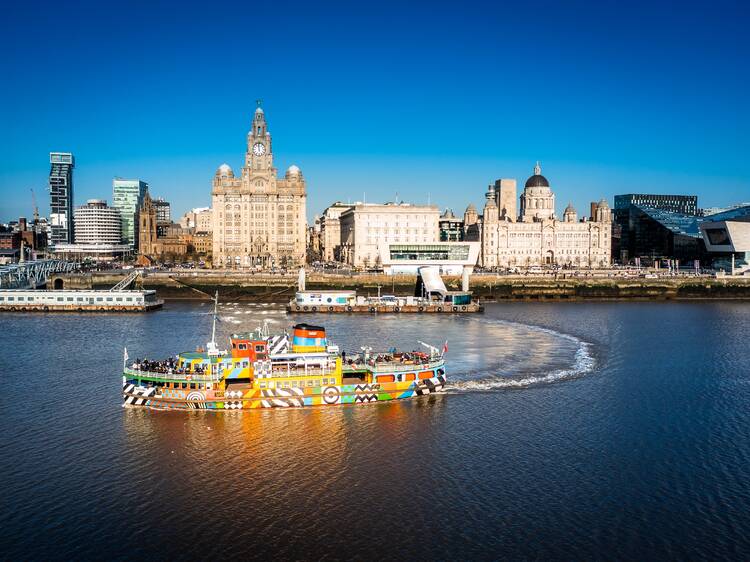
pixel 605 110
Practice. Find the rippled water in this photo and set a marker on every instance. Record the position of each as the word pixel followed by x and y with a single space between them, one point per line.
pixel 570 431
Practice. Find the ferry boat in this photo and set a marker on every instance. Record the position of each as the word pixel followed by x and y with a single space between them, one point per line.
pixel 264 371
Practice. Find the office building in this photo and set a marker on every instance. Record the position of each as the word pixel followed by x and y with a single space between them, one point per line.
pixel 451 227
pixel 451 258
pixel 367 228
pixel 682 204
pixel 258 218
pixel 61 197
pixel 163 215
pixel 96 223
pixel 127 197
pixel 330 231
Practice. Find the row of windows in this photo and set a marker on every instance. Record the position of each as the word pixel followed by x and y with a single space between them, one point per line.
pixel 299 384
pixel 66 299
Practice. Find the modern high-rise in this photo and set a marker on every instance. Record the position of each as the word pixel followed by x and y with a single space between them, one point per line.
pixel 163 215
pixel 61 197
pixel 258 218
pixel 96 223
pixel 127 197
pixel 683 204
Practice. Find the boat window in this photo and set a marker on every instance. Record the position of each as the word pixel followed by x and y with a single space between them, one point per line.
pixel 183 385
pixel 409 377
pixel 294 384
pixel 192 386
pixel 263 385
pixel 11 298
pixel 20 298
pixel 259 348
pixel 79 299
pixel 70 299
pixel 99 299
pixel 59 299
pixel 2 298
pixel 286 384
pixel 109 299
pixel 309 383
pixel 119 299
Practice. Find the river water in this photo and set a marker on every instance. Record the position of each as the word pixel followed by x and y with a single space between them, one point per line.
pixel 570 431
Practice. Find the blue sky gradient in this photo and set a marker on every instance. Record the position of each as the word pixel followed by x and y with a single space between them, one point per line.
pixel 425 100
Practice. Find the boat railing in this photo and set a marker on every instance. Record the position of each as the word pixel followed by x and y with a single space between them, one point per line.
pixel 173 376
pixel 394 366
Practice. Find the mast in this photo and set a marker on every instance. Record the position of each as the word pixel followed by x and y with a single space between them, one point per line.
pixel 216 307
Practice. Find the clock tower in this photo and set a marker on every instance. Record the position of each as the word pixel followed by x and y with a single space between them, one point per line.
pixel 259 157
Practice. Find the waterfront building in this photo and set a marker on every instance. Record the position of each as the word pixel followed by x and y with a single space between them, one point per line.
pixel 199 219
pixel 95 252
pixel 127 197
pixel 203 243
pixel 659 234
pixel 61 197
pixel 96 223
pixel 728 243
pixel 682 204
pixel 451 258
pixel 368 228
pixel 330 231
pixel 536 236
pixel 258 218
pixel 451 227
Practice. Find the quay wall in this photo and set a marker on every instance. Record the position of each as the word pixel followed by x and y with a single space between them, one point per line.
pixel 281 288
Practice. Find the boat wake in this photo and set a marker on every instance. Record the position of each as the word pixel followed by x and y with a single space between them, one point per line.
pixel 583 362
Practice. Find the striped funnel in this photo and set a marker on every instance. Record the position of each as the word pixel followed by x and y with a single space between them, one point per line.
pixel 307 338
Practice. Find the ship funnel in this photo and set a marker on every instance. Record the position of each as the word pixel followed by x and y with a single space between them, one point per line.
pixel 307 339
pixel 301 279
pixel 465 280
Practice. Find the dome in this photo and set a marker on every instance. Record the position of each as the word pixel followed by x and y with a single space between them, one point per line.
pixel 258 110
pixel 603 204
pixel 570 208
pixel 225 171
pixel 448 214
pixel 471 207
pixel 537 180
pixel 293 170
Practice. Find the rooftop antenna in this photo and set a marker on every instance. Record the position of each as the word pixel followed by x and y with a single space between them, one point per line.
pixel 36 207
pixel 537 169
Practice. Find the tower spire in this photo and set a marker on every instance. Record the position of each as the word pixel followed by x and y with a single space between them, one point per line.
pixel 537 169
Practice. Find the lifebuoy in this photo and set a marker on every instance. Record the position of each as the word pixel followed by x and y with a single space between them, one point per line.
pixel 421 309
pixel 396 309
pixel 46 309
pixel 304 308
pixel 372 309
pixel 455 308
pixel 296 307
pixel 440 309
pixel 348 308
pixel 315 309
pixel 463 308
pixel 330 309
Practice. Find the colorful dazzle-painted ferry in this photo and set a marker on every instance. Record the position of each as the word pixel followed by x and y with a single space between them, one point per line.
pixel 263 371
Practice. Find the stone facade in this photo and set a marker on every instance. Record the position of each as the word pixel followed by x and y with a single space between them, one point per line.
pixel 330 231
pixel 150 245
pixel 536 237
pixel 258 219
pixel 366 228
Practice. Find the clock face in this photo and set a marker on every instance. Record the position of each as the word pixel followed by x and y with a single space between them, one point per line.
pixel 259 149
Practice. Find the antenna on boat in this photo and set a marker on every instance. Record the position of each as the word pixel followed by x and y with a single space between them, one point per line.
pixel 211 346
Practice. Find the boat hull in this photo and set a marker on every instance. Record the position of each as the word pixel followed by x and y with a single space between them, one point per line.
pixel 252 398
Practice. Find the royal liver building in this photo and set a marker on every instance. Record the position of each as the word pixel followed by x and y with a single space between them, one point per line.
pixel 258 219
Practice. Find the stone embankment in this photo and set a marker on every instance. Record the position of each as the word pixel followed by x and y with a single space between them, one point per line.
pixel 280 288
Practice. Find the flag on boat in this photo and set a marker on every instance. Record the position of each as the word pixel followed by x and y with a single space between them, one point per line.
pixel 445 347
pixel 125 356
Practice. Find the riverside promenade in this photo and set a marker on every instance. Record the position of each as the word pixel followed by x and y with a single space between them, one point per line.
pixel 265 287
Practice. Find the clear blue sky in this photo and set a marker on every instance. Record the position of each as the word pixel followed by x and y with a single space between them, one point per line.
pixel 379 97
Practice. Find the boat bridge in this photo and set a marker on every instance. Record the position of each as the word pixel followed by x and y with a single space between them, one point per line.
pixel 32 274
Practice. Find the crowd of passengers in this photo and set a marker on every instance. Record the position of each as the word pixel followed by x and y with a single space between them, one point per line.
pixel 168 366
pixel 406 357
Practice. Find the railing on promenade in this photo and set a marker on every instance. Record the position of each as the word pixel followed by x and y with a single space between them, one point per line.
pixel 189 377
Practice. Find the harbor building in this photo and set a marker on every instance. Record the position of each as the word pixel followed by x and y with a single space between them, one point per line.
pixel 536 236
pixel 368 228
pixel 199 219
pixel 258 218
pixel 127 197
pixel 450 258
pixel 726 236
pixel 150 244
pixel 96 223
pixel 61 197
pixel 330 231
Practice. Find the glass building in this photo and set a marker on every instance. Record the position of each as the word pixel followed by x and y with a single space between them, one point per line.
pixel 127 197
pixel 683 204
pixel 660 234
pixel 61 197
